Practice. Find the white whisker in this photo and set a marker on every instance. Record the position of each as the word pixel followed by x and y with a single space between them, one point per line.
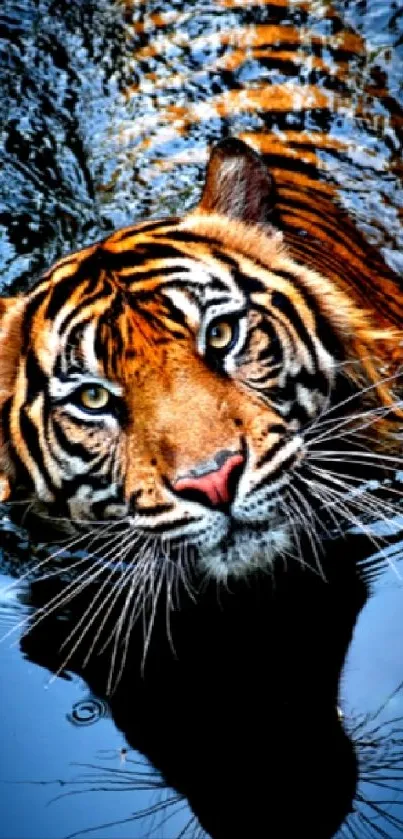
pixel 338 500
pixel 378 506
pixel 76 586
pixel 122 618
pixel 113 566
pixel 337 454
pixel 358 395
pixel 311 530
pixel 372 415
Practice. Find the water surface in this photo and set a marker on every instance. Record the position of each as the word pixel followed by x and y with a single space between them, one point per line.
pixel 107 111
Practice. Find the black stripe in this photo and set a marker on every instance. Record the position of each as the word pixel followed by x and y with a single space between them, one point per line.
pixel 292 164
pixel 215 283
pixel 30 311
pixel 272 317
pixel 322 259
pixel 248 283
pixel 316 254
pixel 30 435
pixel 153 511
pixel 313 381
pixel 189 236
pixel 71 447
pixel 147 227
pixel 299 413
pixel 111 350
pixel 101 291
pixel 36 378
pixel 334 229
pixel 283 304
pixel 324 332
pixel 70 486
pixel 140 255
pixel 272 451
pixel 252 13
pixel 176 314
pixel 317 48
pixel 217 301
pixel 273 476
pixel 274 348
pixel 104 479
pixel 5 411
pixel 316 75
pixel 23 475
pixel 21 470
pixel 64 288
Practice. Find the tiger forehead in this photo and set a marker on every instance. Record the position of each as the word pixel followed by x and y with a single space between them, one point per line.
pixel 99 333
pixel 161 278
pixel 194 258
pixel 147 278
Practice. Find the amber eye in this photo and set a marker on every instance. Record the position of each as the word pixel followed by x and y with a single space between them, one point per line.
pixel 94 398
pixel 221 335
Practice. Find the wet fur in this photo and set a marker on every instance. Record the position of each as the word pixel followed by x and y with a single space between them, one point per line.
pixel 176 409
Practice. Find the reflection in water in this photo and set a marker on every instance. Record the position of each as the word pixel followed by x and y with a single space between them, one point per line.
pixel 108 110
pixel 379 803
pixel 377 808
pixel 237 709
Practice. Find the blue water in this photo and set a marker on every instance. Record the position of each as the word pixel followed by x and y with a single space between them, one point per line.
pixel 107 111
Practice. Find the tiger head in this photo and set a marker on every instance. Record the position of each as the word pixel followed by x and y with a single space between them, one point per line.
pixel 168 377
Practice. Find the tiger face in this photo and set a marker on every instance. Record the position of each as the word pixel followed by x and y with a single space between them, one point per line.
pixel 165 377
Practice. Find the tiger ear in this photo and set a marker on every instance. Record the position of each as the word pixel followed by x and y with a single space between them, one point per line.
pixel 11 317
pixel 238 184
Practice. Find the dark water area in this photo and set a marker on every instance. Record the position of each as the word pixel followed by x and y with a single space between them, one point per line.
pixel 69 763
pixel 107 110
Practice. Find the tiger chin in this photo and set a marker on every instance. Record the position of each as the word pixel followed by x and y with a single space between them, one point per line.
pixel 168 380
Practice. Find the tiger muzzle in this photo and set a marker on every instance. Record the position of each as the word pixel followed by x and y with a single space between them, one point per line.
pixel 212 483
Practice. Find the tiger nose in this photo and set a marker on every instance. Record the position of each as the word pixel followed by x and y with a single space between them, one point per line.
pixel 212 483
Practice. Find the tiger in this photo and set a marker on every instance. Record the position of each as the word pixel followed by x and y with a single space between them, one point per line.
pixel 185 380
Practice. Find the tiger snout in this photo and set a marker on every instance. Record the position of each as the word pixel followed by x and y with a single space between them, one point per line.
pixel 212 483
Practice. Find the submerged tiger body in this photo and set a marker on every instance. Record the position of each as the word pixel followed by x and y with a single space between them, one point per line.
pixel 170 378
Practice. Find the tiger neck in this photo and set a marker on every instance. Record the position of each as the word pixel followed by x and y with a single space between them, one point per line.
pixel 320 234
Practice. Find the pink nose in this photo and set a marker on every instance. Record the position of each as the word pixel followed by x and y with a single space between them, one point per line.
pixel 215 487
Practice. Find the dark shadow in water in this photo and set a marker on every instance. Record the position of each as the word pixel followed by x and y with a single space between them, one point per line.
pixel 377 807
pixel 238 709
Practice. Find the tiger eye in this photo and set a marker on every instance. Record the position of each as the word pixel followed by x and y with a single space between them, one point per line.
pixel 220 335
pixel 94 398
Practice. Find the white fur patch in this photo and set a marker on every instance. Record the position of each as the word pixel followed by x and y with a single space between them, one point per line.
pixel 244 552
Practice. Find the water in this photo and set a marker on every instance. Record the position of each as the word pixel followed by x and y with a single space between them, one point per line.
pixel 107 110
